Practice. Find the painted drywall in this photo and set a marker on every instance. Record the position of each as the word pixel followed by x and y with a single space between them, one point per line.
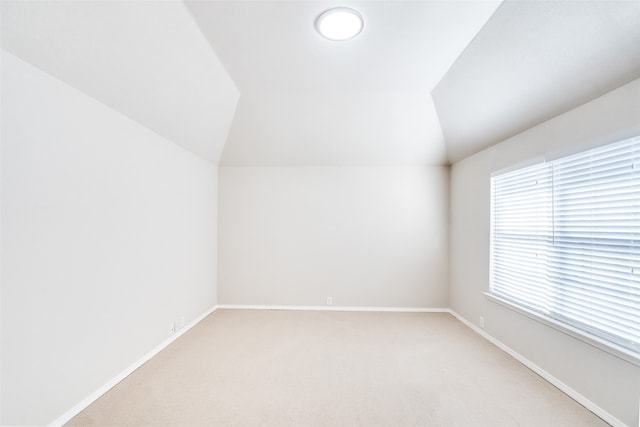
pixel 405 46
pixel 606 380
pixel 556 56
pixel 109 234
pixel 366 236
pixel 338 129
pixel 147 59
pixel 1 134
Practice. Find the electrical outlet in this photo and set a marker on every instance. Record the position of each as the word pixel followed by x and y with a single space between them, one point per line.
pixel 172 328
pixel 482 322
pixel 329 300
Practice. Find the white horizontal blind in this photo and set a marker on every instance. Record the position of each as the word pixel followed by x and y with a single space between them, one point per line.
pixel 521 233
pixel 588 219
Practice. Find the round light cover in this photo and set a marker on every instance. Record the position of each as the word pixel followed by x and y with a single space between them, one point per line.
pixel 340 23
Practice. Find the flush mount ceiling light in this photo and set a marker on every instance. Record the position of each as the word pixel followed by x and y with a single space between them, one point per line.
pixel 340 23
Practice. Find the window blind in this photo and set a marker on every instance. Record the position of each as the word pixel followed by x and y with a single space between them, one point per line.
pixel 565 240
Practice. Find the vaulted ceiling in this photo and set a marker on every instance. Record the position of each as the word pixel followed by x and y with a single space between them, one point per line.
pixel 148 60
pixel 532 61
pixel 252 83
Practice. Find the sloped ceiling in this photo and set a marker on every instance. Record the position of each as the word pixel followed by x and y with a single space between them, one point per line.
pixel 252 83
pixel 146 59
pixel 309 101
pixel 405 45
pixel 533 61
pixel 349 128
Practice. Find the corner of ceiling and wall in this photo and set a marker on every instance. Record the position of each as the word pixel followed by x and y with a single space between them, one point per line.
pixel 426 83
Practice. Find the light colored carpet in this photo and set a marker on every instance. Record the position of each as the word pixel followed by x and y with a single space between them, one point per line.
pixel 293 368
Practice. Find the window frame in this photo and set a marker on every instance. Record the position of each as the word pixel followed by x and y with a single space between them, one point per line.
pixel 585 336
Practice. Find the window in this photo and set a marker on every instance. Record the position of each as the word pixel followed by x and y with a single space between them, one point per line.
pixel 565 241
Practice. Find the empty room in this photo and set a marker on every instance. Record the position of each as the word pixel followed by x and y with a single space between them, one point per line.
pixel 320 213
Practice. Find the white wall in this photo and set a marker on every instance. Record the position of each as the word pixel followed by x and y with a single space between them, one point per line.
pixel 366 236
pixel 109 234
pixel 609 382
pixel 146 59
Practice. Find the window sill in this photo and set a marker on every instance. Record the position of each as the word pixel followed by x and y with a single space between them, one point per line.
pixel 613 349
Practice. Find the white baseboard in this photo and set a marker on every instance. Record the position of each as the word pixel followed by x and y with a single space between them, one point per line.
pixel 66 417
pixel 544 374
pixel 332 308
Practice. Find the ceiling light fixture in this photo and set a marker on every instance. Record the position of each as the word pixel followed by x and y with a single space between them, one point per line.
pixel 340 23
